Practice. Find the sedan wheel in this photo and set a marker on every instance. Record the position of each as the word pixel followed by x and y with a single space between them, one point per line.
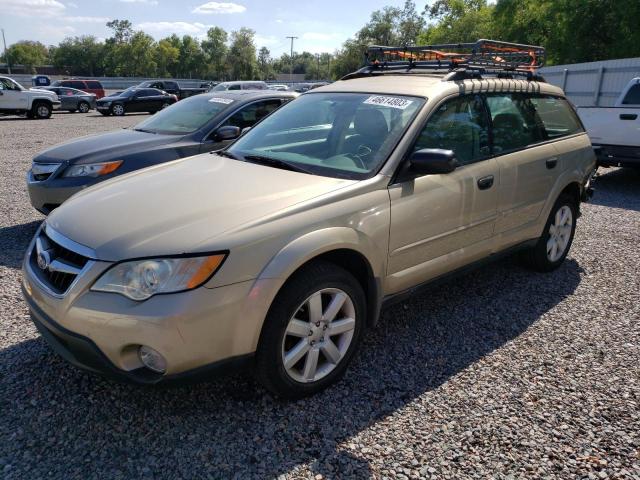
pixel 83 107
pixel 118 110
pixel 165 105
pixel 318 335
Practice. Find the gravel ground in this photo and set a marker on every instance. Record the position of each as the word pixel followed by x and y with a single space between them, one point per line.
pixel 502 373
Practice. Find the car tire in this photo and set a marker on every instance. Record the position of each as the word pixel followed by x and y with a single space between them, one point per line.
pixel 84 107
pixel 297 355
pixel 118 110
pixel 165 105
pixel 553 246
pixel 41 110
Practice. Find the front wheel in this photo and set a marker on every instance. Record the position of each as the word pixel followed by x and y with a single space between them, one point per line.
pixel 41 110
pixel 311 331
pixel 118 110
pixel 554 244
pixel 83 107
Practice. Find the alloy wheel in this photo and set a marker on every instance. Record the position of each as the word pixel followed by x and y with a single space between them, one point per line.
pixel 318 335
pixel 118 110
pixel 84 108
pixel 43 111
pixel 559 233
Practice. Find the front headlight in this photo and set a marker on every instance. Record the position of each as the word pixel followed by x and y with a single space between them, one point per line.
pixel 92 169
pixel 141 279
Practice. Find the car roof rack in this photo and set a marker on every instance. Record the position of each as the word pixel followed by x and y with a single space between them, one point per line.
pixel 457 61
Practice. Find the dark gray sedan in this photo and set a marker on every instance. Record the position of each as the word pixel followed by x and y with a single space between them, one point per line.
pixel 202 123
pixel 74 100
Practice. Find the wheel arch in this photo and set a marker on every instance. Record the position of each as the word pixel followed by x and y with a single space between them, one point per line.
pixel 342 246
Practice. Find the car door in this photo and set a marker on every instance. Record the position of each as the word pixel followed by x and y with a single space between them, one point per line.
pixel 443 221
pixel 528 164
pixel 11 97
pixel 245 117
pixel 138 102
pixel 68 100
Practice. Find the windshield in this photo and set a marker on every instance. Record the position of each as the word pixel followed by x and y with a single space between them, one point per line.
pixel 186 116
pixel 346 135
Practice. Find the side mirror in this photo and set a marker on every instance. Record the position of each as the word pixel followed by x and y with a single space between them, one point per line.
pixel 226 133
pixel 433 161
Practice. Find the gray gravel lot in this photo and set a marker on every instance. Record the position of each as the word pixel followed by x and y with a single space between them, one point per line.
pixel 501 373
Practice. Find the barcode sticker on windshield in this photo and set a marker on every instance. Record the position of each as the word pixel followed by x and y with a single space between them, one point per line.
pixel 393 102
pixel 226 101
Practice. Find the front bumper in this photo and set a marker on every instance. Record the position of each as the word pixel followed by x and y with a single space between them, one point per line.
pixel 197 331
pixel 85 354
pixel 48 194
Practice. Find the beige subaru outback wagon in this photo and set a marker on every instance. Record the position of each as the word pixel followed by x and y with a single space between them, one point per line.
pixel 280 251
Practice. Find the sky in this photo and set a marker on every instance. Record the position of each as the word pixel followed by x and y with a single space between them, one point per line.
pixel 321 25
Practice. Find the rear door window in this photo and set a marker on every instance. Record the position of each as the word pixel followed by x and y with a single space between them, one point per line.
pixel 633 95
pixel 94 85
pixel 76 84
pixel 516 123
pixel 557 116
pixel 234 87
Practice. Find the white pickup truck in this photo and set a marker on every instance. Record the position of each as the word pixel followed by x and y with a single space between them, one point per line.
pixel 17 100
pixel 615 131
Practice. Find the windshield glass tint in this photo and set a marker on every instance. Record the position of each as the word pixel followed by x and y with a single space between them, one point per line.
pixel 186 116
pixel 347 135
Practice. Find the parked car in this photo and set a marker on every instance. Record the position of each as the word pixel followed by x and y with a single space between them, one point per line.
pixel 198 124
pixel 172 87
pixel 244 85
pixel 279 251
pixel 279 87
pixel 74 100
pixel 615 131
pixel 134 100
pixel 17 100
pixel 89 86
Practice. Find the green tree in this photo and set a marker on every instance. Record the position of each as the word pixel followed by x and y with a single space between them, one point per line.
pixel 265 63
pixel 28 53
pixel 192 62
pixel 80 56
pixel 242 55
pixel 458 21
pixel 215 48
pixel 140 54
pixel 167 56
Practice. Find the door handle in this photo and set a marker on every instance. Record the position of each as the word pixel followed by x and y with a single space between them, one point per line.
pixel 628 116
pixel 552 162
pixel 485 183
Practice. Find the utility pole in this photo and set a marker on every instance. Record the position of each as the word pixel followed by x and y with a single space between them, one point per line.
pixel 291 60
pixel 6 55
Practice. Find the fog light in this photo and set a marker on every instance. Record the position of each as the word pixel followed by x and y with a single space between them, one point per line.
pixel 151 359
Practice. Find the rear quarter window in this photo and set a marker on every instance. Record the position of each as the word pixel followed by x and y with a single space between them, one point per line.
pixel 633 96
pixel 557 116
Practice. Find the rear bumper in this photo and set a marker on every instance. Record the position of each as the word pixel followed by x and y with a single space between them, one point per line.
pixel 617 155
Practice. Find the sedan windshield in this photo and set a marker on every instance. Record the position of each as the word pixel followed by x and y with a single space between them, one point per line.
pixel 346 135
pixel 186 116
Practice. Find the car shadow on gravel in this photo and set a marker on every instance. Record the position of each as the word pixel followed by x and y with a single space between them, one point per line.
pixel 618 188
pixel 14 241
pixel 71 423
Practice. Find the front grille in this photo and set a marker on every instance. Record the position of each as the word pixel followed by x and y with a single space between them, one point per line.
pixel 62 265
pixel 42 171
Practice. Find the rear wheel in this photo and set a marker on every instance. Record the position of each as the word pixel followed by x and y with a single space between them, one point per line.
pixel 311 331
pixel 117 109
pixel 83 107
pixel 41 110
pixel 554 244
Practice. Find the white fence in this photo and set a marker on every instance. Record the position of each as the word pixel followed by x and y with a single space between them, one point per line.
pixel 594 83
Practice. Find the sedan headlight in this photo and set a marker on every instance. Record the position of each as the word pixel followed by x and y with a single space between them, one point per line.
pixel 141 279
pixel 92 169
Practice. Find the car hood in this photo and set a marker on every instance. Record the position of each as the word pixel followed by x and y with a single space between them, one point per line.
pixel 108 145
pixel 181 206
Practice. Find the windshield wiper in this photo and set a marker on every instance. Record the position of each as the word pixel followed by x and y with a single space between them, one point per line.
pixel 144 130
pixel 224 153
pixel 277 163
